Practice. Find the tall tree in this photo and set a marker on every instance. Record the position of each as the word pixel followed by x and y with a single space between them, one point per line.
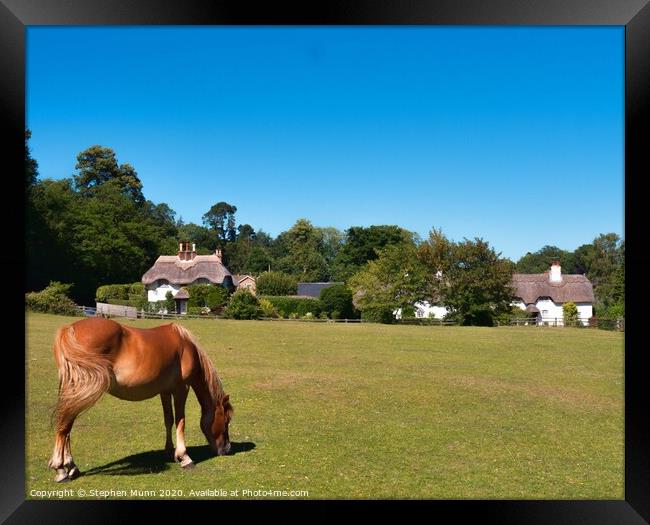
pixel 361 245
pixel 31 166
pixel 97 166
pixel 302 244
pixel 395 279
pixel 220 218
pixel 541 260
pixel 478 283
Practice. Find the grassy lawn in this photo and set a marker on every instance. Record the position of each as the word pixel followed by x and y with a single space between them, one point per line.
pixel 363 411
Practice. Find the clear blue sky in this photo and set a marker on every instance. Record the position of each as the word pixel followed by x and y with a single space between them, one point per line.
pixel 515 135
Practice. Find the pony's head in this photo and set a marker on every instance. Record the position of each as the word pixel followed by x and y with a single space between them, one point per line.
pixel 217 433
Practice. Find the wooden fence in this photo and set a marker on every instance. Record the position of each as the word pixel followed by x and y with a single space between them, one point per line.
pixel 113 310
pixel 591 322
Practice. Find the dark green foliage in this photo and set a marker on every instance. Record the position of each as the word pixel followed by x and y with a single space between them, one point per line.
pixel 53 299
pixel 276 283
pixel 396 279
pixel 243 305
pixel 474 281
pixel 514 313
pixel 299 306
pixel 207 295
pixel 378 314
pixel 31 166
pixel 302 246
pixel 338 298
pixel 169 303
pixel 361 245
pixel 541 260
pixel 97 167
pixel 220 219
pixel 408 312
pixel 217 297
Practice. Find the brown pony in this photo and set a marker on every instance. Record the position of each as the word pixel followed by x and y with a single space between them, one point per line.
pixel 98 355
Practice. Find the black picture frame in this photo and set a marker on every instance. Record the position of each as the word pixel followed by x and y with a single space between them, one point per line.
pixel 16 15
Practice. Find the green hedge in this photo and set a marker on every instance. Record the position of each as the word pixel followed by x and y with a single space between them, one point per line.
pixel 120 292
pixel 298 306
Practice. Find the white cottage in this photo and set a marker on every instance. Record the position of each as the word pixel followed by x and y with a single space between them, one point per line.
pixel 541 295
pixel 171 272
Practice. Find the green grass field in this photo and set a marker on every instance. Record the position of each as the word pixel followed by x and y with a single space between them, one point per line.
pixel 360 411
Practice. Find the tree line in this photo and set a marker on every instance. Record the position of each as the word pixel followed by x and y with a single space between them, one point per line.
pixel 96 227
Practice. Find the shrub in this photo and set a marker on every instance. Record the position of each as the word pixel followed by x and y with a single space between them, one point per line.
pixel 514 313
pixel 198 310
pixel 570 311
pixel 338 298
pixel 379 314
pixel 52 299
pixel 268 310
pixel 218 296
pixel 243 305
pixel 276 283
pixel 169 303
pixel 408 312
pixel 207 295
pixel 323 315
pixel 288 305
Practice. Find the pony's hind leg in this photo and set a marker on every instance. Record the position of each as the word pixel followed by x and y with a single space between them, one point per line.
pixel 57 459
pixel 68 462
pixel 168 413
pixel 61 460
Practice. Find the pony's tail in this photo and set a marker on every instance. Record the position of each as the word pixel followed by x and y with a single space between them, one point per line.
pixel 83 377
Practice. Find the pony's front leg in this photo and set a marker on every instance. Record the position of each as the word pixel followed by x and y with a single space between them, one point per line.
pixel 166 399
pixel 181 455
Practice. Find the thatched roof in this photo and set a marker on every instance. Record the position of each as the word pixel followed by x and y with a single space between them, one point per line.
pixel 176 271
pixel 530 286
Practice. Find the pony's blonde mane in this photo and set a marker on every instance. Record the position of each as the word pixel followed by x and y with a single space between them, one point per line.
pixel 210 376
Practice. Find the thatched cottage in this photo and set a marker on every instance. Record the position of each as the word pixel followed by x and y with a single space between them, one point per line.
pixel 171 272
pixel 541 295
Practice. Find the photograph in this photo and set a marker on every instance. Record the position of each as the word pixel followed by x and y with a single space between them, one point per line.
pixel 325 262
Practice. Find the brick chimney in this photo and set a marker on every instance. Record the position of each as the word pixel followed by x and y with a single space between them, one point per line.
pixel 555 275
pixel 186 252
pixel 217 252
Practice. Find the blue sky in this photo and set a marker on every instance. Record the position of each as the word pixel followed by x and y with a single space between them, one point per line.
pixel 512 134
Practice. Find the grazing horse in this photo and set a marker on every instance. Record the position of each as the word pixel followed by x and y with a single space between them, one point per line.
pixel 98 355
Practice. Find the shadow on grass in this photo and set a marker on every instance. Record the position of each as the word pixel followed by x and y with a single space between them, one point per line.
pixel 155 461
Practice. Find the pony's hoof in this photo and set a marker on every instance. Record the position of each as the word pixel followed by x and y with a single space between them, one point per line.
pixel 74 473
pixel 188 466
pixel 62 478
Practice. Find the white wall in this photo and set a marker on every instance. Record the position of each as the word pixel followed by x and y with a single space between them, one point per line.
pixel 158 294
pixel 553 313
pixel 425 310
pixel 585 311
